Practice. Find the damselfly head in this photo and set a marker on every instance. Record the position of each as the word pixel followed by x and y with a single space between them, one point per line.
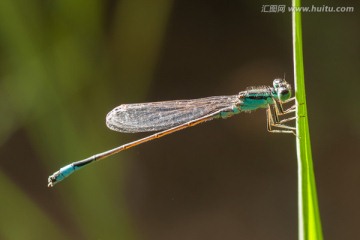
pixel 282 89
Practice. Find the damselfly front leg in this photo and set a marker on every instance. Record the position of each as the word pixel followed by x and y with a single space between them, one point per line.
pixel 273 121
pixel 280 109
pixel 275 118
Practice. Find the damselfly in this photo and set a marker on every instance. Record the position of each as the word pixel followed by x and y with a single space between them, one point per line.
pixel 172 116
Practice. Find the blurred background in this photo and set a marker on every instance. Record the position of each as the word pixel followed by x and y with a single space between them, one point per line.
pixel 65 64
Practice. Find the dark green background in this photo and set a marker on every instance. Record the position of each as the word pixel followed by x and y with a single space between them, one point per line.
pixel 64 64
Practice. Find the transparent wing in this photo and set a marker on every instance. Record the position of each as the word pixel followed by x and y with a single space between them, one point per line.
pixel 155 116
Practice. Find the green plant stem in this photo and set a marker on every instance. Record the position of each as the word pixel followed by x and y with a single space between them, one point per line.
pixel 309 217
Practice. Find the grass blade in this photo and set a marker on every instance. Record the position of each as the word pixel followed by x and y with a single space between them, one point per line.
pixel 309 217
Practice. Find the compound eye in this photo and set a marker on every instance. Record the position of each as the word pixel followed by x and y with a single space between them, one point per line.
pixel 283 94
pixel 277 82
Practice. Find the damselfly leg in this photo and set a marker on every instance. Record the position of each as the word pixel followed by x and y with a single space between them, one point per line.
pixel 272 117
pixel 280 109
